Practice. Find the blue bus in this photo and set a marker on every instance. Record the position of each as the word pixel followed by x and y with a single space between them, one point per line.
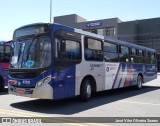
pixel 53 61
pixel 5 51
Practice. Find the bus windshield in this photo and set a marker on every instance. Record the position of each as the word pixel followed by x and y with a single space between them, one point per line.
pixel 32 53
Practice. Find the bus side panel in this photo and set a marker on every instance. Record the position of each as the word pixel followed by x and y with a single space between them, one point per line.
pixel 112 75
pixel 64 80
pixel 4 73
pixel 150 73
pixel 79 78
pixel 120 75
pixel 90 68
pixel 96 70
pixel 129 74
pixel 131 71
pixel 70 81
pixel 64 83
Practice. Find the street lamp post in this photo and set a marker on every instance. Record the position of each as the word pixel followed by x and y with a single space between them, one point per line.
pixel 50 11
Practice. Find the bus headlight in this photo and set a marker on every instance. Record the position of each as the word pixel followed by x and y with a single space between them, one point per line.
pixel 44 81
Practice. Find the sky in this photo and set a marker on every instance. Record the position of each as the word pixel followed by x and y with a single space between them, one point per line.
pixel 16 13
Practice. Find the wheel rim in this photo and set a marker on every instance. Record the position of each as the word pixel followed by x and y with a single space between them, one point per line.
pixel 89 89
pixel 139 82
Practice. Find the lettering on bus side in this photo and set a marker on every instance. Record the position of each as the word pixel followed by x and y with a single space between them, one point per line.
pixel 95 65
pixel 111 67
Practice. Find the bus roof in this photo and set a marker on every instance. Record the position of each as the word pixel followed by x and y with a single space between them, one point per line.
pixel 128 44
pixel 2 42
pixel 105 38
pixel 116 41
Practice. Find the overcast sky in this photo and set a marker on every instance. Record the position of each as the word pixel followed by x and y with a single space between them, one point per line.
pixel 16 13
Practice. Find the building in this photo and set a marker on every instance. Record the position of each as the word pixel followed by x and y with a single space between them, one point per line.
pixel 144 32
pixel 102 27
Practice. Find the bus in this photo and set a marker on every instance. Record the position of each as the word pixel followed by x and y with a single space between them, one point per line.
pixel 5 51
pixel 54 61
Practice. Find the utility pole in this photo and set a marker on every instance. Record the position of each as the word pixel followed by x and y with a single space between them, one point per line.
pixel 50 11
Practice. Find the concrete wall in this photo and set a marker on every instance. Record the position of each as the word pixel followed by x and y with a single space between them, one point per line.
pixel 143 32
pixel 76 21
pixel 68 20
pixel 127 31
pixel 79 22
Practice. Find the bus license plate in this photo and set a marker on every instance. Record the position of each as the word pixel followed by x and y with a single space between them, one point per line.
pixel 20 91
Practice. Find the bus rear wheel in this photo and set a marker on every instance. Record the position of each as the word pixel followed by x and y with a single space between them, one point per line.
pixel 86 90
pixel 139 82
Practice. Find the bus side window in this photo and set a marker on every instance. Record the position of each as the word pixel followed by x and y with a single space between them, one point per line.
pixel 71 50
pixel 1 53
pixel 7 54
pixel 124 54
pixel 153 58
pixel 66 53
pixel 110 52
pixel 93 49
pixel 67 49
pixel 133 55
pixel 146 57
pixel 57 48
pixel 140 56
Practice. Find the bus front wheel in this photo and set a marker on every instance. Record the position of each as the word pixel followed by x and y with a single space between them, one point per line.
pixel 86 90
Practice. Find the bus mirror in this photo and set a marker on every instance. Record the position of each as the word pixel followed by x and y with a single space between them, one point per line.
pixel 13 44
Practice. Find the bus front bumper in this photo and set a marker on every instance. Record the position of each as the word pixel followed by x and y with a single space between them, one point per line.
pixel 43 92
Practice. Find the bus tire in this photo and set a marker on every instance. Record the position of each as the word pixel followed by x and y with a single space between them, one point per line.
pixel 139 82
pixel 86 90
pixel 1 84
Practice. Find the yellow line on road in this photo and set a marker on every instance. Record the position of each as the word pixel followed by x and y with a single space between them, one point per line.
pixel 23 113
pixel 12 114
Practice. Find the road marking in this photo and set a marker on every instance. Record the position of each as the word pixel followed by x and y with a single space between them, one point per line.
pixel 13 114
pixel 23 113
pixel 27 114
pixel 142 103
pixel 86 124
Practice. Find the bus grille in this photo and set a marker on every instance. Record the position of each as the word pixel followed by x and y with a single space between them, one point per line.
pixel 22 75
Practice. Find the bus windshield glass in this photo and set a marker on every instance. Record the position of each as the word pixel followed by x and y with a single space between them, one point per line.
pixel 32 53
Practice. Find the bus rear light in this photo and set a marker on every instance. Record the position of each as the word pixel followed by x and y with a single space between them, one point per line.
pixel 12 82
